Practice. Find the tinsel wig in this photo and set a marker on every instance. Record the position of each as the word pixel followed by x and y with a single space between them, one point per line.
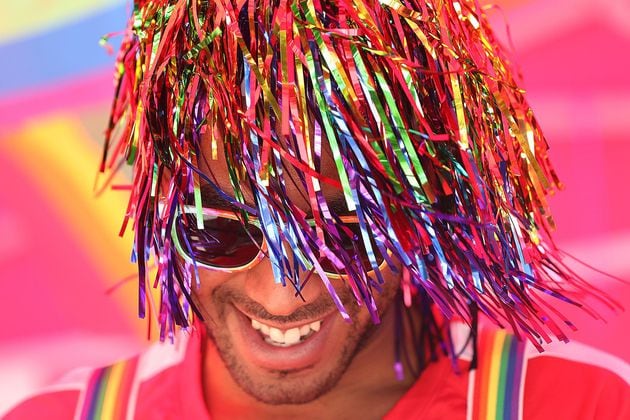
pixel 435 150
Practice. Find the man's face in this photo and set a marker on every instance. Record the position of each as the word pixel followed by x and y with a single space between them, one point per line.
pixel 279 348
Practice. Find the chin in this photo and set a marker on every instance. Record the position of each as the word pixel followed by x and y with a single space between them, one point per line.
pixel 288 387
pixel 311 369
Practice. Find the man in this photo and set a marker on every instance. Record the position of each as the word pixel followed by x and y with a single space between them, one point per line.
pixel 333 191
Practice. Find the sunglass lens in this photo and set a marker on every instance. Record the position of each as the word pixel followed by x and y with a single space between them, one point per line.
pixel 352 243
pixel 223 242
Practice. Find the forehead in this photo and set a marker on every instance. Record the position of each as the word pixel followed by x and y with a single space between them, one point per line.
pixel 211 198
pixel 295 191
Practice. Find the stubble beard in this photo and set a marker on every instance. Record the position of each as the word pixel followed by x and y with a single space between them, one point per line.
pixel 283 387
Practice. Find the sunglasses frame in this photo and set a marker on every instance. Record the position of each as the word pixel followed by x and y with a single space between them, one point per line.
pixel 262 252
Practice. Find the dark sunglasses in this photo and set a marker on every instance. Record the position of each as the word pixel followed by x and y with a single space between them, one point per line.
pixel 225 243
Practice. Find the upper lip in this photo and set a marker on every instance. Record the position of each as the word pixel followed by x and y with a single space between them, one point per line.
pixel 282 322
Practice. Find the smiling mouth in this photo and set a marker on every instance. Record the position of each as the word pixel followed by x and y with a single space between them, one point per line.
pixel 286 338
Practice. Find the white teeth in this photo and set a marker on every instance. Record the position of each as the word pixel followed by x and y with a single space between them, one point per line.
pixel 292 336
pixel 276 335
pixel 305 329
pixel 289 337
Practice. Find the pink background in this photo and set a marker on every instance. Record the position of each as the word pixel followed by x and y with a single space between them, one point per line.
pixel 59 249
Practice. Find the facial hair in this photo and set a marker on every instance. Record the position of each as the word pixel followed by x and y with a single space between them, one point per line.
pixel 279 387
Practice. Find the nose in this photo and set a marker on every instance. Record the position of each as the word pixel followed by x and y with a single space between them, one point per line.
pixel 277 299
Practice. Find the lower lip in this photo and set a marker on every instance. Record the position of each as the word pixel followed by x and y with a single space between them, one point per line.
pixel 300 356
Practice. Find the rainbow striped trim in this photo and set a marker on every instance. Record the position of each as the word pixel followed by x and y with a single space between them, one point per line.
pixel 108 390
pixel 497 391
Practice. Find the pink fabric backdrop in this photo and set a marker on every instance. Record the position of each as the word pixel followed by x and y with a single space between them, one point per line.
pixel 59 250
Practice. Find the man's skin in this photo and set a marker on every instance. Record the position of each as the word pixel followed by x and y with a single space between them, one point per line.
pixel 347 372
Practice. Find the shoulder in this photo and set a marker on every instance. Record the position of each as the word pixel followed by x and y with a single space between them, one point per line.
pixel 569 380
pixel 58 401
pixel 115 389
pixel 575 381
pixel 579 359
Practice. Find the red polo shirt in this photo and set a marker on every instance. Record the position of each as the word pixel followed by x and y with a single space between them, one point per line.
pixel 570 381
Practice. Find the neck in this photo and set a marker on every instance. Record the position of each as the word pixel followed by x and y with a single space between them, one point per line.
pixel 369 387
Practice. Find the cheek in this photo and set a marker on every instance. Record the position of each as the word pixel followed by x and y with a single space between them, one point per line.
pixel 392 281
pixel 389 290
pixel 209 282
pixel 383 299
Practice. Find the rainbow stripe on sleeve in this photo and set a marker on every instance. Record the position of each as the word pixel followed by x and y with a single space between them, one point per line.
pixel 108 391
pixel 498 377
